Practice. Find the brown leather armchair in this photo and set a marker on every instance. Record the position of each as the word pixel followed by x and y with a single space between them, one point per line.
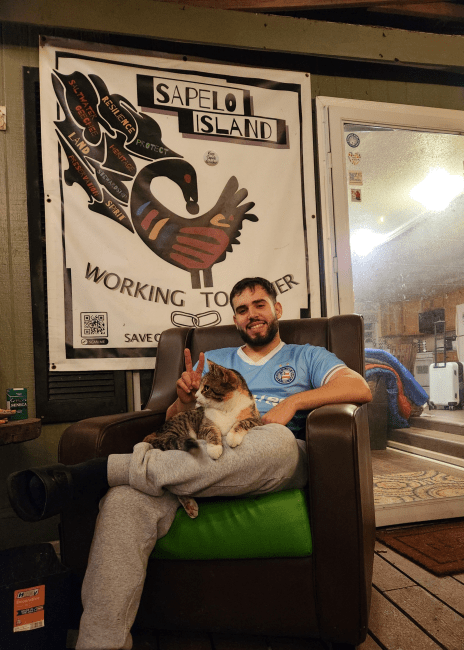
pixel 325 595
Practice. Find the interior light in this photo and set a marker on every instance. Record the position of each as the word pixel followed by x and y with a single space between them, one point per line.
pixel 437 190
pixel 363 241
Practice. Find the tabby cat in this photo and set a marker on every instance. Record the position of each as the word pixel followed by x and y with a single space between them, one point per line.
pixel 225 407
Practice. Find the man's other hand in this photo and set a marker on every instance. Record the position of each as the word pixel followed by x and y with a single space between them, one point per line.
pixel 282 413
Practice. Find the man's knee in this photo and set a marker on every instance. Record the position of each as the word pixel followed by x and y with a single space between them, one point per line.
pixel 275 442
pixel 126 501
pixel 278 434
pixel 120 499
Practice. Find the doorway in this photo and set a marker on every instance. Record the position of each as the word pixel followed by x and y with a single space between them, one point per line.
pixel 392 181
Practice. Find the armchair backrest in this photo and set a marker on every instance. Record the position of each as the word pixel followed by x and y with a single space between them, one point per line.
pixel 342 335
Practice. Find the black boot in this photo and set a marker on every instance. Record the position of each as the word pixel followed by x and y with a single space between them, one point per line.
pixel 41 492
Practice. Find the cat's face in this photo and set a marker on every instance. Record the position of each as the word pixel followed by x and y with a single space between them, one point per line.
pixel 218 385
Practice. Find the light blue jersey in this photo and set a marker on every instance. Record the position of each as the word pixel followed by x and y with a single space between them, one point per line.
pixel 288 369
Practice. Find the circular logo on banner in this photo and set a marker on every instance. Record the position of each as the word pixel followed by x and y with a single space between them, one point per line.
pixel 353 140
pixel 211 158
pixel 285 375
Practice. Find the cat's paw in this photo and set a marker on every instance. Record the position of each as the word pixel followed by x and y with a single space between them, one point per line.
pixel 151 439
pixel 190 506
pixel 214 451
pixel 234 439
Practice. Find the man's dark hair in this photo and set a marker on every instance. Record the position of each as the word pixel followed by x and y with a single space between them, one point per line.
pixel 251 283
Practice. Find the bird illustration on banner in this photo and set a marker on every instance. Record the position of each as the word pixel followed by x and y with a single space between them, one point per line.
pixel 102 136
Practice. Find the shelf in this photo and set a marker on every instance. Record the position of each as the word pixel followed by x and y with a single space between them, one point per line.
pixel 20 430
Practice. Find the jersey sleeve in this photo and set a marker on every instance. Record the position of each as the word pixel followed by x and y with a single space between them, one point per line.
pixel 321 364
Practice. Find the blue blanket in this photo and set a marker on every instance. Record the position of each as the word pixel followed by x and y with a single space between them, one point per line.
pixel 411 388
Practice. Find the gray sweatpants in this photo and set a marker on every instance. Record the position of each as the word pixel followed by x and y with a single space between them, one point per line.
pixel 140 507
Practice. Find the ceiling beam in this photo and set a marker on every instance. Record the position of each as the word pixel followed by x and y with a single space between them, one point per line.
pixel 437 10
pixel 176 22
pixel 279 6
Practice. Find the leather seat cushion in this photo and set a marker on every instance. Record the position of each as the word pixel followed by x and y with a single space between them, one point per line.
pixel 269 525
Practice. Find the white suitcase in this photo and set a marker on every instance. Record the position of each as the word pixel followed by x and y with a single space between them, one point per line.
pixel 444 385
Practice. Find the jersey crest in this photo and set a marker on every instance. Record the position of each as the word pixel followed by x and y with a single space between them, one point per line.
pixel 285 375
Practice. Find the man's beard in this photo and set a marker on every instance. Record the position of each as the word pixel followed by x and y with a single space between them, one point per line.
pixel 260 339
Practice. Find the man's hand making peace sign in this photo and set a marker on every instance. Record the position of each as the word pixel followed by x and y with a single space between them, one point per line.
pixel 189 381
pixel 187 385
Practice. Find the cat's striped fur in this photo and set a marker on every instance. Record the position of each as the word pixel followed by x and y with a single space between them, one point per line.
pixel 225 408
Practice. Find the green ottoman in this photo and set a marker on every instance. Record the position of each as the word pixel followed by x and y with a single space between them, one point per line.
pixel 269 525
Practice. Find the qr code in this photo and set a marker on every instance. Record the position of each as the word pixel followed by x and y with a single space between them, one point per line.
pixel 94 324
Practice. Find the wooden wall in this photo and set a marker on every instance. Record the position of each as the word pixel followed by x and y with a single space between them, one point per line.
pixel 401 318
pixel 399 325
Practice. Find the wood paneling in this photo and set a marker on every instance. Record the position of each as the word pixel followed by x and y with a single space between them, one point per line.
pixel 401 318
pixel 391 319
pixel 437 302
pixel 176 22
pixel 451 300
pixel 411 310
pixel 15 297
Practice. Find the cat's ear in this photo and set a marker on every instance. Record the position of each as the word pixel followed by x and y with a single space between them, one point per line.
pixel 223 374
pixel 230 376
pixel 215 367
pixel 211 366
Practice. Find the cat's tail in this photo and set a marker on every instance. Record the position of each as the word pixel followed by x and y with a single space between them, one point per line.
pixel 191 445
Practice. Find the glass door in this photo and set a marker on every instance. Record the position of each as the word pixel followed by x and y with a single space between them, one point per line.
pixel 392 180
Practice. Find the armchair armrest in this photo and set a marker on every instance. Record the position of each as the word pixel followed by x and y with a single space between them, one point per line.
pixel 108 434
pixel 342 516
pixel 117 434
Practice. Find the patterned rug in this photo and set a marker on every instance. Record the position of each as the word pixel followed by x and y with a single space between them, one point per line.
pixel 410 487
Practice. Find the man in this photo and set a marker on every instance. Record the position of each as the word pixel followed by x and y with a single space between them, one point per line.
pixel 256 315
pixel 287 381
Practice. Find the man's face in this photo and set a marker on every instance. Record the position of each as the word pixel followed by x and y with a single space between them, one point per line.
pixel 256 316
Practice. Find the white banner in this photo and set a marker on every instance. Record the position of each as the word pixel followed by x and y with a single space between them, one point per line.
pixel 166 181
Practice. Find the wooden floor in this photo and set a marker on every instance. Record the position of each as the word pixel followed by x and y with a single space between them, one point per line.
pixel 411 610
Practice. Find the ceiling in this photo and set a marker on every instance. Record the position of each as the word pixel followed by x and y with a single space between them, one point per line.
pixel 421 15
